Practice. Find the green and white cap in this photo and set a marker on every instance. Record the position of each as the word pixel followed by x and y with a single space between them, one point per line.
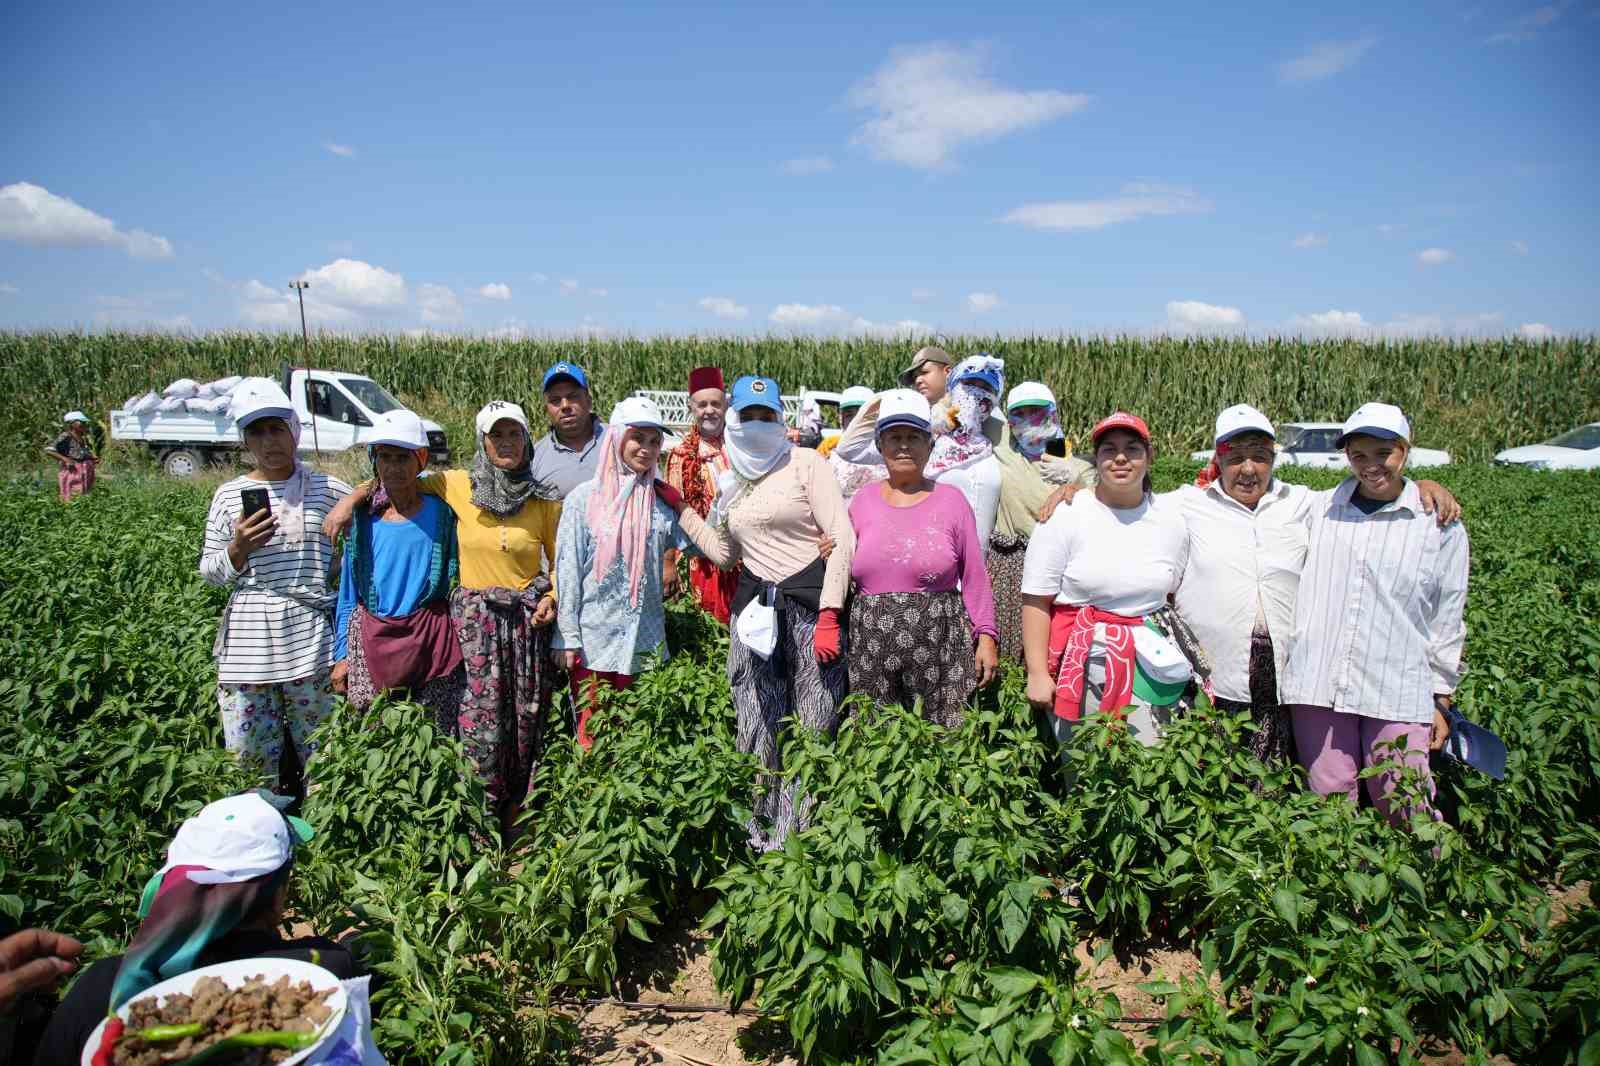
pixel 239 838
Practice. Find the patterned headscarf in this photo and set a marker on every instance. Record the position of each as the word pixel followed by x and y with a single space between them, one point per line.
pixel 1033 427
pixel 960 440
pixel 503 492
pixel 619 512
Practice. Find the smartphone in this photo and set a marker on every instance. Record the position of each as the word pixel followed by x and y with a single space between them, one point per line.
pixel 254 500
pixel 1057 448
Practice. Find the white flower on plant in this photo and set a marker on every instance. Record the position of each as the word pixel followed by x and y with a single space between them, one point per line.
pixel 1075 1022
pixel 1463 914
pixel 1311 982
pixel 1361 1012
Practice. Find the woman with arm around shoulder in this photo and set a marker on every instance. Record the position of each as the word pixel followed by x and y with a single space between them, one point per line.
pixel 615 531
pixel 274 647
pixel 1378 630
pixel 922 620
pixel 1091 575
pixel 773 506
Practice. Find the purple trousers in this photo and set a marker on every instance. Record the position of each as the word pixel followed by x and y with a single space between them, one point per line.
pixel 1335 747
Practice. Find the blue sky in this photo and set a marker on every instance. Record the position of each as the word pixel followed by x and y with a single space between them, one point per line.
pixel 1381 169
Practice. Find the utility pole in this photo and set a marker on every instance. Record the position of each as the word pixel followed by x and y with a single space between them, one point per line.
pixel 300 288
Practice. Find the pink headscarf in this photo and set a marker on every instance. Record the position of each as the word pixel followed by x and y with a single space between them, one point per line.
pixel 619 512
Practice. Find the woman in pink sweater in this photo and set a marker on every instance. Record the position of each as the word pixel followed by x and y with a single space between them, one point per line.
pixel 922 621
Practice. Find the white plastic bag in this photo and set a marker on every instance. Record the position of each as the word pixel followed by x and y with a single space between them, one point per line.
pixel 223 386
pixel 144 404
pixel 758 627
pixel 171 404
pixel 181 389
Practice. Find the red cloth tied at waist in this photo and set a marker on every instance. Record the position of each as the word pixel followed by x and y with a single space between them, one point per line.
pixel 1071 636
pixel 411 651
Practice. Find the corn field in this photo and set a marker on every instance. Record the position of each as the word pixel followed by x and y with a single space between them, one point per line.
pixel 1470 397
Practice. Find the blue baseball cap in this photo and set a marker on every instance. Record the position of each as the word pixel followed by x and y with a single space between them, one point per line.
pixel 987 375
pixel 566 370
pixel 752 391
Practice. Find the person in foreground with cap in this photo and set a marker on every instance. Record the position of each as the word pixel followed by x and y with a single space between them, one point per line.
pixel 785 655
pixel 502 610
pixel 567 456
pixel 1093 574
pixel 274 648
pixel 1028 475
pixel 221 897
pixel 393 626
pixel 1375 654
pixel 850 403
pixel 615 531
pixel 74 452
pixel 692 469
pixel 922 619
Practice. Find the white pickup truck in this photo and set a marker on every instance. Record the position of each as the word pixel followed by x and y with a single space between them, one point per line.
pixel 336 410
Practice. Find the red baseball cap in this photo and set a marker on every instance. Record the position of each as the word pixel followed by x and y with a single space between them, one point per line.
pixel 1120 420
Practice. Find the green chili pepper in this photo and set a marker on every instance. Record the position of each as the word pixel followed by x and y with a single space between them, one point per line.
pixel 292 1041
pixel 161 1034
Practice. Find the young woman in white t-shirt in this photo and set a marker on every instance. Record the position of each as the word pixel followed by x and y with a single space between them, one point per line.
pixel 1092 572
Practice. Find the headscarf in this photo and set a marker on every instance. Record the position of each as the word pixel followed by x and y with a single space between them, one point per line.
pixel 1212 470
pixel 754 450
pixel 960 440
pixel 1033 427
pixel 257 398
pixel 809 418
pixel 619 512
pixel 502 492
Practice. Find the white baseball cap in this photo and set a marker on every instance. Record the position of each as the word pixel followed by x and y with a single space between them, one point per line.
pixel 399 427
pixel 1242 418
pixel 236 839
pixel 495 410
pixel 1030 393
pixel 255 398
pixel 904 407
pixel 639 412
pixel 1382 420
pixel 74 416
pixel 856 396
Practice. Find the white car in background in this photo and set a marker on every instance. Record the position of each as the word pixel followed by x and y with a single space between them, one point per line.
pixel 1312 444
pixel 1575 450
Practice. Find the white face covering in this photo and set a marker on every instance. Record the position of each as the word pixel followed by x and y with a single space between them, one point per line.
pixel 754 450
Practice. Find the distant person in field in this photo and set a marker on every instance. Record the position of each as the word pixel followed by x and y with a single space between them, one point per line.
pixel 1030 470
pixel 503 609
pixel 74 452
pixel 274 648
pixel 1375 653
pixel 615 531
pixel 569 454
pixel 393 627
pixel 922 617
pixel 786 662
pixel 850 403
pixel 807 430
pixel 692 469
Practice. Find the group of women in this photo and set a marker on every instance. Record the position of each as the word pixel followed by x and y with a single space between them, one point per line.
pixel 944 531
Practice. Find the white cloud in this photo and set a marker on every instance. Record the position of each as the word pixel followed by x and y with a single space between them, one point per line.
pixel 143 320
pixel 1429 257
pixel 931 100
pixel 807 165
pixel 341 150
pixel 569 286
pixel 906 327
pixel 1138 200
pixel 358 285
pixel 539 279
pixel 1324 60
pixel 808 315
pixel 982 302
pixel 1482 322
pixel 439 303
pixel 1530 25
pixel 1519 247
pixel 495 291
pixel 835 319
pixel 268 308
pixel 922 296
pixel 35 215
pixel 1311 240
pixel 7 289
pixel 512 329
pixel 1330 322
pixel 722 307
pixel 1194 315
pixel 1410 325
pixel 1535 331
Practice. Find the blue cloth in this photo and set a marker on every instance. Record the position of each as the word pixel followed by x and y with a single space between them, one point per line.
pixel 752 391
pixel 402 566
pixel 566 370
pixel 595 615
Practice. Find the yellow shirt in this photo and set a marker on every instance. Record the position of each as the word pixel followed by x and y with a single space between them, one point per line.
pixel 496 552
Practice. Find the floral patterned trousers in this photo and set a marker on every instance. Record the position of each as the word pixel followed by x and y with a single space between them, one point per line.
pixel 254 717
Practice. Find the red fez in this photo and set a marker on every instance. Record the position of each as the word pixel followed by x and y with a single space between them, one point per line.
pixel 706 377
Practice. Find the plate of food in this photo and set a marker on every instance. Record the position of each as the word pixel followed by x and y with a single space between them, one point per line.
pixel 253 1011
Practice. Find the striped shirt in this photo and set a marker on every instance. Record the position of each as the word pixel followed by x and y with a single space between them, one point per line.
pixel 278 625
pixel 1378 626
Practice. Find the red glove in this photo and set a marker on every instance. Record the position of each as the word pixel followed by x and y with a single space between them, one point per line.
pixel 669 496
pixel 827 636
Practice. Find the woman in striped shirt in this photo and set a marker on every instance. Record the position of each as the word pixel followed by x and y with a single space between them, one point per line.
pixel 274 648
pixel 1376 648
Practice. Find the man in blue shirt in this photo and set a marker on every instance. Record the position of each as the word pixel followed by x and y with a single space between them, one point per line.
pixel 569 454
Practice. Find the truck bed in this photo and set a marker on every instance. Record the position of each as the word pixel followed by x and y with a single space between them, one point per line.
pixel 175 427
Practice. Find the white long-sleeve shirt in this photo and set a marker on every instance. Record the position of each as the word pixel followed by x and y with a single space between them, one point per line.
pixel 1378 626
pixel 1242 562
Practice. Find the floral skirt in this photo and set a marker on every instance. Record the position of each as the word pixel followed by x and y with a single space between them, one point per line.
pixel 75 478
pixel 1273 739
pixel 906 646
pixel 1006 558
pixel 501 720
pixel 442 695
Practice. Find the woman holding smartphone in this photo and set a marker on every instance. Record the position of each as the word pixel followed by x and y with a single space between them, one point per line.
pixel 264 542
